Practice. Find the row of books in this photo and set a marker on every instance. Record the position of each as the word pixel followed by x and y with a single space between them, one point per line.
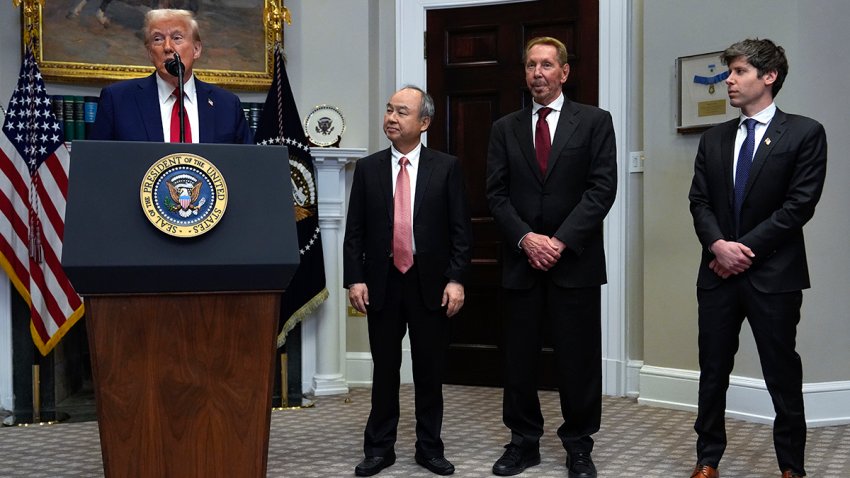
pixel 252 114
pixel 75 114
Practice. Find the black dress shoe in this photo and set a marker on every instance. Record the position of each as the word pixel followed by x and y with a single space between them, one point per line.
pixel 438 465
pixel 580 465
pixel 514 460
pixel 371 465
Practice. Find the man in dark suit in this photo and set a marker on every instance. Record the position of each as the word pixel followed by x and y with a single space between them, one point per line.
pixel 551 179
pixel 406 250
pixel 145 109
pixel 756 182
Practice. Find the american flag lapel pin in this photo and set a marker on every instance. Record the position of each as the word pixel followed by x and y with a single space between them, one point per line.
pixel 766 140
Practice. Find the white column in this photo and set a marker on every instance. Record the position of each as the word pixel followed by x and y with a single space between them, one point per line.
pixel 326 339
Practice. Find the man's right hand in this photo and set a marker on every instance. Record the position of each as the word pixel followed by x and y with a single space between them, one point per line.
pixel 358 295
pixel 730 258
pixel 541 251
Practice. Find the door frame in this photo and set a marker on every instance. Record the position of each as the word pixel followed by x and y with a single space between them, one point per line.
pixel 614 32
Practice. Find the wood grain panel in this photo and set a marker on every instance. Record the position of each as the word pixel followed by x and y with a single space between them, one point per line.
pixel 472 46
pixel 468 108
pixel 183 383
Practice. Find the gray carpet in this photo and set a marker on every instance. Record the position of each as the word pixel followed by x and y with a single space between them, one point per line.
pixel 326 441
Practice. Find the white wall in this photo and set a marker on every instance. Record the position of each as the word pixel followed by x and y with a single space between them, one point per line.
pixel 813 35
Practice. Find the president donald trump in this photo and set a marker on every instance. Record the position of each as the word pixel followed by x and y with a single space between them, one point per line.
pixel 146 109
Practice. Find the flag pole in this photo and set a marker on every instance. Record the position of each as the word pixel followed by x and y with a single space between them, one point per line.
pixel 276 15
pixel 37 417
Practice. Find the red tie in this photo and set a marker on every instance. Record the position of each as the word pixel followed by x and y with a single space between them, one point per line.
pixel 402 225
pixel 175 121
pixel 542 140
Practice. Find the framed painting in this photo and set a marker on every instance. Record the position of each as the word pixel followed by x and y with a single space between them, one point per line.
pixel 703 101
pixel 98 41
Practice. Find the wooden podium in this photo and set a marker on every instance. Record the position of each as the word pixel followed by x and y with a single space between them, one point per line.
pixel 182 331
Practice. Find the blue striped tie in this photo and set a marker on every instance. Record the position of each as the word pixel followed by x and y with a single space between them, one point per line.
pixel 742 171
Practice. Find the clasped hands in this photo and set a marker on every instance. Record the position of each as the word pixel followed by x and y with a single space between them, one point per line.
pixel 543 252
pixel 730 258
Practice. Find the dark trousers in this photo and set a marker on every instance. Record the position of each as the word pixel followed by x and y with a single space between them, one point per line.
pixel 773 319
pixel 572 318
pixel 404 309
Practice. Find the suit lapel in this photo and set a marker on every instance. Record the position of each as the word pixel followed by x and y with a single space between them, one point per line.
pixel 772 137
pixel 567 125
pixel 385 182
pixel 426 167
pixel 206 111
pixel 727 156
pixel 147 100
pixel 522 130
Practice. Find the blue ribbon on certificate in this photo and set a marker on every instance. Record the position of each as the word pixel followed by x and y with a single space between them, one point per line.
pixel 710 80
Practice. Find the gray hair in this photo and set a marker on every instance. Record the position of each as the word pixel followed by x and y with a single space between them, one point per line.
pixel 426 107
pixel 764 55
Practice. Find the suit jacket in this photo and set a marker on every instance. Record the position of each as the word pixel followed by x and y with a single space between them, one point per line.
pixel 785 183
pixel 441 225
pixel 569 202
pixel 129 111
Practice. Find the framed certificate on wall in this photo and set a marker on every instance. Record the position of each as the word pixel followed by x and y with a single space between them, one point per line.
pixel 703 101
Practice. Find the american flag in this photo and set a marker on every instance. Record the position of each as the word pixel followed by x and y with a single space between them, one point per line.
pixel 33 186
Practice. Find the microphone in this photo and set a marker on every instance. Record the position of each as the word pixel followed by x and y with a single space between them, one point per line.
pixel 175 66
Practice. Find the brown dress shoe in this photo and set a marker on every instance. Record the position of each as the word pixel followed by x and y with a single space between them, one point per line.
pixel 705 471
pixel 790 474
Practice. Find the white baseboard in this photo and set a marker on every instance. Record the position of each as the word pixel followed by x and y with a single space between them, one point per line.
pixel 827 403
pixel 358 366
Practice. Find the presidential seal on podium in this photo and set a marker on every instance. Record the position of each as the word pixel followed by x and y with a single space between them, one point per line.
pixel 183 195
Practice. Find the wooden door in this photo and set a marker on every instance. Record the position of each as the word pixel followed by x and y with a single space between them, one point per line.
pixel 475 74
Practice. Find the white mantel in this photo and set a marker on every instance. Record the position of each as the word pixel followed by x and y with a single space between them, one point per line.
pixel 323 334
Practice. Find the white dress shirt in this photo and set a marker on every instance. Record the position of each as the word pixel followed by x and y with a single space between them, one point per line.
pixel 166 104
pixel 763 119
pixel 551 118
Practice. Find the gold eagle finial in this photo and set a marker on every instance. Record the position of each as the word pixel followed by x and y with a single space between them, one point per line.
pixel 276 14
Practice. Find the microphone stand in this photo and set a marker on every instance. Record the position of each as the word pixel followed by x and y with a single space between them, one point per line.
pixel 175 67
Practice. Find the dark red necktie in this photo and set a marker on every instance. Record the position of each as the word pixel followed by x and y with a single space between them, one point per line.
pixel 175 121
pixel 542 140
pixel 402 225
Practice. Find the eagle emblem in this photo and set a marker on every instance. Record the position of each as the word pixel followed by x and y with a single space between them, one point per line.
pixel 185 196
pixel 324 126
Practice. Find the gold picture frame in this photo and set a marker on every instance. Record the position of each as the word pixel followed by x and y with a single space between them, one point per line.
pixel 73 44
pixel 703 101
